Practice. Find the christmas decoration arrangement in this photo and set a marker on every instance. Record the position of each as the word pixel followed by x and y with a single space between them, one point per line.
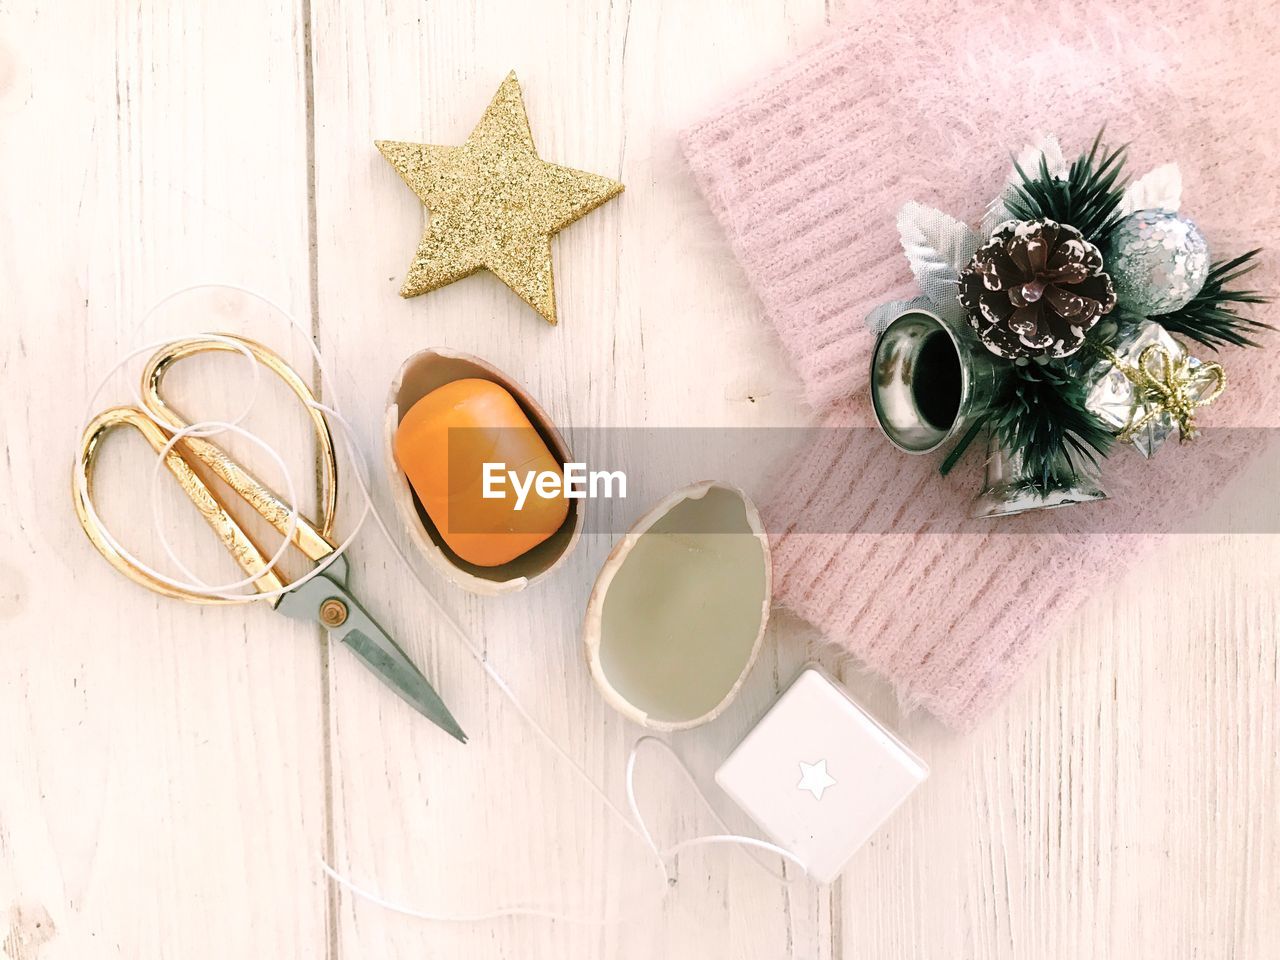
pixel 494 204
pixel 1070 323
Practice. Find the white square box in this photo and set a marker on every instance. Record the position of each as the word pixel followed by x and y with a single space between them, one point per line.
pixel 819 775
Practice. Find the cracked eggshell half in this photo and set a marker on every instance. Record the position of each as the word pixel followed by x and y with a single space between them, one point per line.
pixel 679 609
pixel 418 376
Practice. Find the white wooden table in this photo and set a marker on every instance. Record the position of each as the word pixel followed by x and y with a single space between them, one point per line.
pixel 171 775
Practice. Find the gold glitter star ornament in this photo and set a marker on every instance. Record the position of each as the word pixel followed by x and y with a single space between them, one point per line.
pixel 492 204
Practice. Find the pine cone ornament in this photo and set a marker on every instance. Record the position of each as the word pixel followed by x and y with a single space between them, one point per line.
pixel 1035 289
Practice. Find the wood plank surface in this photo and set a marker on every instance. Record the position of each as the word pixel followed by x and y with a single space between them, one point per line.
pixel 161 789
pixel 172 775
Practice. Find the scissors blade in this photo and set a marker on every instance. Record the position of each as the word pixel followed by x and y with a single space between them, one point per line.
pixel 385 658
pixel 368 641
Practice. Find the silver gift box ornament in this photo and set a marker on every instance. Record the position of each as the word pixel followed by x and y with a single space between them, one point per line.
pixel 1117 402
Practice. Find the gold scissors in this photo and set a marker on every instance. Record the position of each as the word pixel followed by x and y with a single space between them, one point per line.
pixel 324 598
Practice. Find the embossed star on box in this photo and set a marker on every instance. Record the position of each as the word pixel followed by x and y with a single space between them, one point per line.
pixel 820 775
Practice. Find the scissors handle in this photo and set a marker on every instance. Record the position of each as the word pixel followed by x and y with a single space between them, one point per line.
pixel 312 541
pixel 158 422
pixel 324 598
pixel 233 537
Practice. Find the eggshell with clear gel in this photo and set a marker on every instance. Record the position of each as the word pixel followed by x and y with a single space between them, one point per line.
pixel 678 612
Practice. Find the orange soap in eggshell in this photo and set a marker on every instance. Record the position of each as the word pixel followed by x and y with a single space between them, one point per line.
pixel 447 473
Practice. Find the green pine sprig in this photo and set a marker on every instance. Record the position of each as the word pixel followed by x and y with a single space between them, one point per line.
pixel 1089 199
pixel 1039 414
pixel 1211 318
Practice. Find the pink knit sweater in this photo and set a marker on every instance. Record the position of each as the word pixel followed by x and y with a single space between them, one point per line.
pixel 806 171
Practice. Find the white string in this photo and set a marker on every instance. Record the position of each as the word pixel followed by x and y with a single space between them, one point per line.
pixel 635 823
pixel 228 591
pixel 733 838
pixel 237 589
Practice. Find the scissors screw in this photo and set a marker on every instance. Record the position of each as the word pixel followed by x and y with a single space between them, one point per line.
pixel 333 613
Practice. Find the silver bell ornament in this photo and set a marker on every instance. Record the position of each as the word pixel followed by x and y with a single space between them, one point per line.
pixel 930 379
pixel 1158 261
pixel 1007 489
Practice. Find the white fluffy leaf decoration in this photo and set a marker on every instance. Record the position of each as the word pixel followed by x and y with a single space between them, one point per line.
pixel 1028 159
pixel 886 313
pixel 1161 189
pixel 938 247
pixel 997 213
pixel 1047 147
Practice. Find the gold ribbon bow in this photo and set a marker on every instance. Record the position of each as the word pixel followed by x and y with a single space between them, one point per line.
pixel 1165 384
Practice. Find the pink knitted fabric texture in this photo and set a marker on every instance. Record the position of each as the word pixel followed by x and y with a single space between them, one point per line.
pixel 806 171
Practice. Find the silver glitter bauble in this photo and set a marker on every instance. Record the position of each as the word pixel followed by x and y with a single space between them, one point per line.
pixel 1158 262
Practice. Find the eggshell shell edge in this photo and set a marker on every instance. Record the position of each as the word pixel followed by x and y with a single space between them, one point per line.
pixel 591 626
